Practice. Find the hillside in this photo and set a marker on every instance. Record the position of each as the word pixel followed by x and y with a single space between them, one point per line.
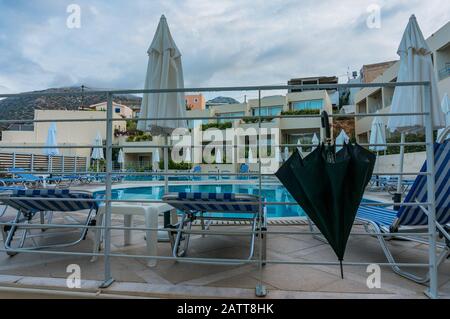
pixel 14 108
pixel 23 107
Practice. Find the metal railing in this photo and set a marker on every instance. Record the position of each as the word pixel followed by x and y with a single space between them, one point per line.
pixel 108 200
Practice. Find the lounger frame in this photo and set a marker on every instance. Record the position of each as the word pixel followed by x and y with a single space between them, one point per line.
pixel 181 230
pixel 23 220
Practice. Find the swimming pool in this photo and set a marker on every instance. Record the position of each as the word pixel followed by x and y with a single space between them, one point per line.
pixel 271 193
pixel 149 178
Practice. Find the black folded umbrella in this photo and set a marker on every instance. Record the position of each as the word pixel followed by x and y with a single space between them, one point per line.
pixel 329 186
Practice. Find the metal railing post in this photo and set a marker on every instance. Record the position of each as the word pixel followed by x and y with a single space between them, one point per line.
pixel 166 218
pixel 431 198
pixel 260 290
pixel 166 165
pixel 108 279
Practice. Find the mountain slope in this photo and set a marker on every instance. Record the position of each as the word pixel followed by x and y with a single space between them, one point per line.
pixel 223 100
pixel 14 108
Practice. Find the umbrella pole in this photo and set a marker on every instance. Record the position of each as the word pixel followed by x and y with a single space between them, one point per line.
pixel 398 195
pixel 377 177
pixel 402 156
pixel 342 269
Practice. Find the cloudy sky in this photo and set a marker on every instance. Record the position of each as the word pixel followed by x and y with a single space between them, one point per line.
pixel 224 43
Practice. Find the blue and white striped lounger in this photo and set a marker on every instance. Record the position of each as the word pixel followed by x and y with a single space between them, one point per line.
pixel 13 181
pixel 389 184
pixel 7 189
pixel 29 202
pixel 230 206
pixel 381 220
pixel 11 188
pixel 31 179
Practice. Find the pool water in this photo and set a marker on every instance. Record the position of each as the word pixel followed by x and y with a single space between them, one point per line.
pixel 271 193
pixel 148 178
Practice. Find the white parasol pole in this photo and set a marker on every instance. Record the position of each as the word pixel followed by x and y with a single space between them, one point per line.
pixel 402 156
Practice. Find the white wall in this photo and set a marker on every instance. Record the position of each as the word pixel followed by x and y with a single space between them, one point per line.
pixel 390 163
pixel 68 133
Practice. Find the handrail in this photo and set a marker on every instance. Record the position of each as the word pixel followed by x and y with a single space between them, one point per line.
pixel 223 88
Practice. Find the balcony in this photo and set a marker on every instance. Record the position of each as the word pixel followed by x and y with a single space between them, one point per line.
pixel 444 72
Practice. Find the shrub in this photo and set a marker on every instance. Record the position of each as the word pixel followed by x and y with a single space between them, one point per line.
pixel 139 137
pixel 409 138
pixel 220 126
pixel 300 112
pixel 255 119
pixel 176 166
pixel 134 135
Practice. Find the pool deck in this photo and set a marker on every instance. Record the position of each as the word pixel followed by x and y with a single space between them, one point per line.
pixel 43 275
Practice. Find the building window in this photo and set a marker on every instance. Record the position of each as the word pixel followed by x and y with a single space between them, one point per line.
pixel 229 114
pixel 363 138
pixel 304 138
pixel 192 123
pixel 308 105
pixel 117 110
pixel 444 72
pixel 195 100
pixel 267 110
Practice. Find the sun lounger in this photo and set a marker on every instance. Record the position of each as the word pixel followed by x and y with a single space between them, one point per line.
pixel 12 181
pixel 33 180
pixel 414 218
pixel 205 206
pixel 196 170
pixel 101 178
pixel 243 169
pixel 5 188
pixel 29 202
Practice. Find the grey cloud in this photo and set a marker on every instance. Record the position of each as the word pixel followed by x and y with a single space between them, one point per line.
pixel 222 42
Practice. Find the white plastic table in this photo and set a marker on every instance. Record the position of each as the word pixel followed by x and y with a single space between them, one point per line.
pixel 44 179
pixel 128 210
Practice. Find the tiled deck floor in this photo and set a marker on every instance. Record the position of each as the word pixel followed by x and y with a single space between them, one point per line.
pixel 174 279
